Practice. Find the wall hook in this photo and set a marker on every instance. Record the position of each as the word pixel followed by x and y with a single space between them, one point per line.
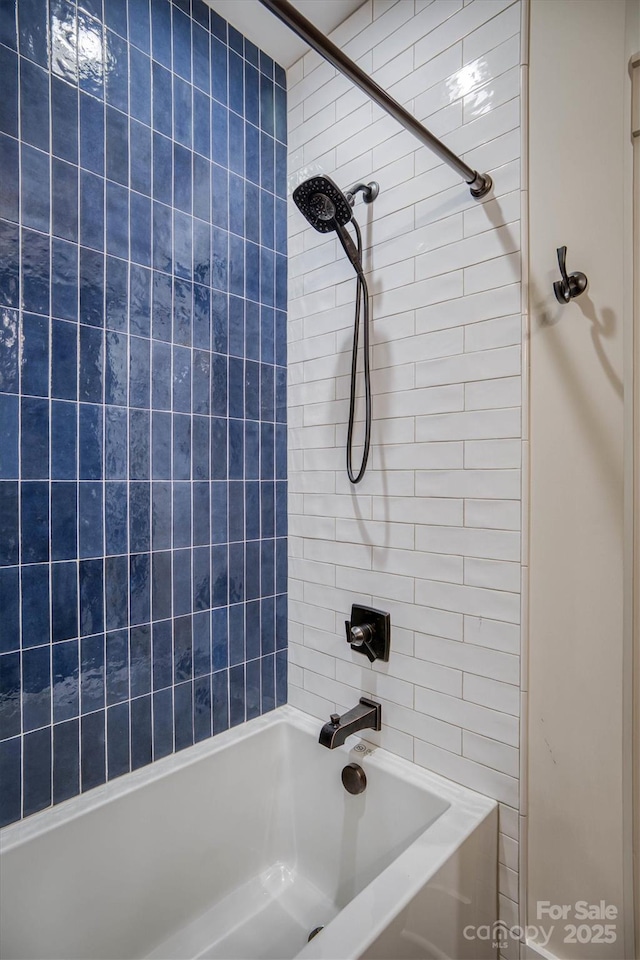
pixel 569 286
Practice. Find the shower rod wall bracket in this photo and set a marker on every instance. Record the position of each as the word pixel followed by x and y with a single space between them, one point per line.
pixel 479 183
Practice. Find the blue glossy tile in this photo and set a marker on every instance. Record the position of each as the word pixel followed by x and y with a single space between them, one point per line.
pixel 91 287
pixel 201 251
pixel 251 52
pixel 236 40
pixel 252 330
pixel 140 660
pixel 140 587
pixel 140 89
pixel 182 178
pixel 219 71
pixel 281 226
pixel 236 449
pixel 200 464
pixel 267 509
pixel 91 576
pixel 9 277
pixel 252 681
pixel 139 299
pixel 219 322
pixel 219 512
pixel 201 392
pixel 34 105
pixel 36 773
pixel 35 356
pixel 183 715
pixel 35 188
pixel 251 94
pixel 267 625
pixel 219 576
pixel 9 185
pixel 236 326
pixel 252 629
pixel 181 582
pixel 202 124
pixel 281 174
pixel 139 372
pixel 8 523
pixel 161 516
pixel 35 604
pixel 117 207
pixel 252 390
pixel 90 442
pixel 236 567
pixel 116 591
pixel 92 750
pixel 162 99
pixel 236 695
pixel 267 163
pixel 117 140
pixel 10 695
pixel 182 245
pixel 92 674
pixel 162 667
pixel 236 83
pixel 281 282
pixel 181 514
pixel 115 437
pixel 267 568
pixel 236 205
pixel 115 15
pixel 90 380
pixel 161 31
pixel 267 678
pixel 201 331
pixel 64 527
pixel 220 692
pixel 117 667
pixel 219 259
pixel 116 518
pixel 141 747
pixel 267 221
pixel 118 735
pixel 280 75
pixel 35 254
pixel 11 776
pixel 182 315
pixel 282 619
pixel 182 112
pixel 162 588
pixel 65 200
pixel 91 51
pixel 116 294
pixel 116 375
pixel 219 638
pixel 9 99
pixel 252 217
pixel 64 426
pixel 161 317
pixel 201 513
pixel 34 438
pixel 65 666
pixel 267 280
pixel 218 26
pixel 64 596
pixel 182 379
pixel 281 509
pixel 139 445
pixel 139 516
pixel 36 687
pixel 236 143
pixel 90 519
pixel 33 30
pixel 66 760
pixel 91 134
pixel 281 340
pixel 236 265
pixel 64 39
pixel 252 510
pixel 219 196
pixel 266 65
pixel 280 109
pixel 281 678
pixel 64 291
pixel 219 470
pixel 252 450
pixel 161 376
pixel 140 25
pixel 8 24
pixel 266 451
pixel 162 240
pixel 140 142
pixel 181 447
pixel 162 724
pixel 200 40
pixel 183 649
pixel 181 44
pixel 202 715
pixel 252 581
pixel 9 604
pixel 267 392
pixel 201 644
pixel 219 133
pixel 253 280
pixel 140 234
pixel 201 579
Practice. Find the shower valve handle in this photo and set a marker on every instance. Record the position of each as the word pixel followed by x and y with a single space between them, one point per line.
pixel 571 285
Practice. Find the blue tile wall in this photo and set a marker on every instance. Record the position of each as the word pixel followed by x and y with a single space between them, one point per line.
pixel 142 388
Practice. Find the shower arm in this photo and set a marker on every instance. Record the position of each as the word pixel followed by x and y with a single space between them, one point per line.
pixel 479 183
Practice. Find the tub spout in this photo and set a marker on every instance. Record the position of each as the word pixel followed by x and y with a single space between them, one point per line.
pixel 367 714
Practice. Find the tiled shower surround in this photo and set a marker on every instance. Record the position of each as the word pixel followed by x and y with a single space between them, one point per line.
pixel 143 518
pixel 433 533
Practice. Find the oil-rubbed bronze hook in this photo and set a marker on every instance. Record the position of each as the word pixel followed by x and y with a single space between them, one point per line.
pixel 569 286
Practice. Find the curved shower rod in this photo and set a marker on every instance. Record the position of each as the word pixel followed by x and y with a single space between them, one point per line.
pixel 480 183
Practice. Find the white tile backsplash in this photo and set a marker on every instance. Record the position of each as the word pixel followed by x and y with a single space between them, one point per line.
pixel 432 534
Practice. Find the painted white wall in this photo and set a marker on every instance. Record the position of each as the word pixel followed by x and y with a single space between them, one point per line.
pixel 578 769
pixel 433 532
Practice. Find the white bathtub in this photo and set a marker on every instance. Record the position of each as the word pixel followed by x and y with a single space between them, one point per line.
pixel 240 846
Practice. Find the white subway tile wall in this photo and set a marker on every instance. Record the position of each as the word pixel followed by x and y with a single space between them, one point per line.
pixel 432 534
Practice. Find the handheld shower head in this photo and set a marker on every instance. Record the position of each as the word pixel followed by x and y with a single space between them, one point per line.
pixel 322 203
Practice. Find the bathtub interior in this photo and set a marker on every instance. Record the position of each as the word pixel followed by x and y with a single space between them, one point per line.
pixel 239 853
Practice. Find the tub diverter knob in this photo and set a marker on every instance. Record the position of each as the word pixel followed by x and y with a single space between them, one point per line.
pixel 354 779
